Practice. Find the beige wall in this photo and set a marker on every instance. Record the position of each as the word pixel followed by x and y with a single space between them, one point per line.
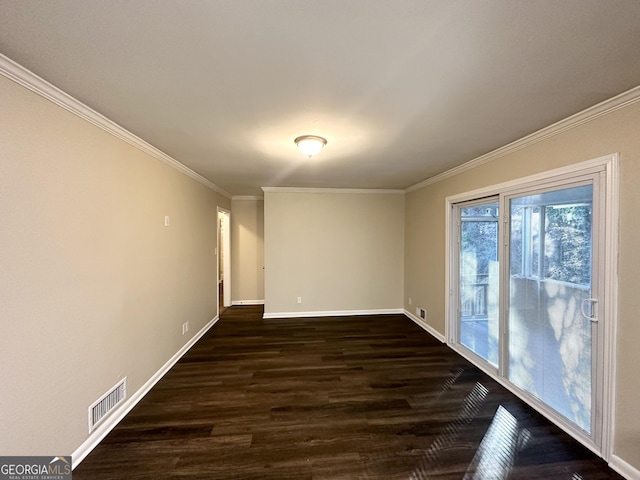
pixel 247 250
pixel 93 287
pixel 338 251
pixel 618 131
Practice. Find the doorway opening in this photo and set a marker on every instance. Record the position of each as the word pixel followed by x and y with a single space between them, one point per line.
pixel 224 260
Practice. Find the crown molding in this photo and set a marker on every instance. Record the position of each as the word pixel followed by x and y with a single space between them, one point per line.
pixel 28 79
pixel 248 197
pixel 603 108
pixel 365 191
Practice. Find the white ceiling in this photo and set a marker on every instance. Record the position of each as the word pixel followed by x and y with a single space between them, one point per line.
pixel 402 89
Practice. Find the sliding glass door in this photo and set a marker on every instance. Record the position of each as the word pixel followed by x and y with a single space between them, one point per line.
pixel 551 310
pixel 526 270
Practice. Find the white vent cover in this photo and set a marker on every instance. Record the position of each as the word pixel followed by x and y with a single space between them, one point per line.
pixel 101 407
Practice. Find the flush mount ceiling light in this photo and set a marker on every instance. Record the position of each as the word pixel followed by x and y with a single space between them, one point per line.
pixel 310 144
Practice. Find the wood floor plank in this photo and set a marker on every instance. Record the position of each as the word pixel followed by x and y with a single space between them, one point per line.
pixel 366 397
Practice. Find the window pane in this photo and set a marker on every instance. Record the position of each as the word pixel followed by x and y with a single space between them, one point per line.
pixel 568 243
pixel 517 222
pixel 534 262
pixel 479 280
pixel 549 338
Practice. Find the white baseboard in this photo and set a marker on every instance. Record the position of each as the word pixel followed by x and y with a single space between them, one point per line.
pixel 333 313
pixel 110 423
pixel 425 326
pixel 623 468
pixel 247 302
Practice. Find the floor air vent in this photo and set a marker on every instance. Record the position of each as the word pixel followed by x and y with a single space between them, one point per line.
pixel 101 408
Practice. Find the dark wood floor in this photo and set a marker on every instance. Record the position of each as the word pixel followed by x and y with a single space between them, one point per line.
pixel 371 397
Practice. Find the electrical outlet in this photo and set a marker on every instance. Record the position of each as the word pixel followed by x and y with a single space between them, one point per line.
pixel 166 220
pixel 409 300
pixel 299 299
pixel 185 328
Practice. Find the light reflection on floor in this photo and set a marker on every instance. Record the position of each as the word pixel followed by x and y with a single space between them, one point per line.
pixel 432 457
pixel 496 454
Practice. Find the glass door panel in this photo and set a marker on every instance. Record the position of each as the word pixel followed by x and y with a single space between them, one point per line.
pixel 478 280
pixel 550 282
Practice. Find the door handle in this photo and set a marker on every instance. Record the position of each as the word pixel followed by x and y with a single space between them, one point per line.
pixel 593 312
